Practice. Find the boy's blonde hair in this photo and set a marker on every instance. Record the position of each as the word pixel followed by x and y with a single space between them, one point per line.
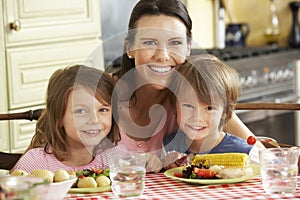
pixel 210 79
pixel 49 132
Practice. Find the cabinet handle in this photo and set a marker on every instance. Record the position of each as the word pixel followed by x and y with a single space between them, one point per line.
pixel 15 25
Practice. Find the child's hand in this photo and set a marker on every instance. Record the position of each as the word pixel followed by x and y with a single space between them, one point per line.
pixel 153 163
pixel 170 158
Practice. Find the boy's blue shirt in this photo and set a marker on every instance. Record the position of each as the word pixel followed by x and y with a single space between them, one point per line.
pixel 230 144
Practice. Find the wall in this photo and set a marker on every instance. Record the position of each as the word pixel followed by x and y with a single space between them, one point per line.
pixel 256 12
pixel 201 13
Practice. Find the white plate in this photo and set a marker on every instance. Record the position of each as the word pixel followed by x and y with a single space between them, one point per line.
pixel 170 173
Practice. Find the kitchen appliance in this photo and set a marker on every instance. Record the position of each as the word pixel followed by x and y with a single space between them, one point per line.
pixel 236 34
pixel 294 39
pixel 267 74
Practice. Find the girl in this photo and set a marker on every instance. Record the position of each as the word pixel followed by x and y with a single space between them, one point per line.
pixel 76 126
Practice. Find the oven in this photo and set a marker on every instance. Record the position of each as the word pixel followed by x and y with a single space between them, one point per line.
pixel 267 74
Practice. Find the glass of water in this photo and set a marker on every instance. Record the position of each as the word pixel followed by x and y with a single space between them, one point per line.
pixel 127 173
pixel 279 169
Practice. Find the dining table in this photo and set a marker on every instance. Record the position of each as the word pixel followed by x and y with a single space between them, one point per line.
pixel 158 186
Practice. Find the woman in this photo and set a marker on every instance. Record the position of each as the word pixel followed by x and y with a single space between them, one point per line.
pixel 159 38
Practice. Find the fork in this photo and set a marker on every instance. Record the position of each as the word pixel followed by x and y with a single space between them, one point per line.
pixel 268 140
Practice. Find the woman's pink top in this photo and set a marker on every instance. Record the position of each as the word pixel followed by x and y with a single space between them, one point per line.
pixel 155 143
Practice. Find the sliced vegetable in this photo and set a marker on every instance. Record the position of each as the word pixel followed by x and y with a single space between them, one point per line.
pixel 178 174
pixel 198 172
pixel 204 173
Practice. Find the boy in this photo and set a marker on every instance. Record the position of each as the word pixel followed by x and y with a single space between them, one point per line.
pixel 206 91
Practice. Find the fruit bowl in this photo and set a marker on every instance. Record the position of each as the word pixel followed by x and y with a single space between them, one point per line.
pixel 14 187
pixel 58 190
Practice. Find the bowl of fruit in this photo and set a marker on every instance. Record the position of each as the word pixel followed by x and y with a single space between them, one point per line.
pixel 56 184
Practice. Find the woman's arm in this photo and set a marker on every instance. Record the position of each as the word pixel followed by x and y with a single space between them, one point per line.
pixel 236 127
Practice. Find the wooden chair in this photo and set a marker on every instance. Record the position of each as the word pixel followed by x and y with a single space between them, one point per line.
pixel 29 115
pixel 8 160
pixel 267 106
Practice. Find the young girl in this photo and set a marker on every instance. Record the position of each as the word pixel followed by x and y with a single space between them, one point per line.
pixel 76 127
pixel 206 91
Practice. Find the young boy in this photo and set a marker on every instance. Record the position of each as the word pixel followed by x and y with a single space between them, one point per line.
pixel 205 93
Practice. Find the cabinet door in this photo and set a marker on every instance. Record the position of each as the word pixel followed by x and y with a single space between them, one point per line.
pixel 21 132
pixel 29 68
pixel 4 136
pixel 50 20
pixel 4 133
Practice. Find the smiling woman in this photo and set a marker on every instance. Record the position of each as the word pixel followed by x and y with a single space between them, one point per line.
pixel 159 38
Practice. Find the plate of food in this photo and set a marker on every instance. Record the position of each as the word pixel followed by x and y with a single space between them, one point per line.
pixel 91 181
pixel 209 169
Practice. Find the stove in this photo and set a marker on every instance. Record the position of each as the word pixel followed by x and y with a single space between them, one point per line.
pixel 233 53
pixel 266 73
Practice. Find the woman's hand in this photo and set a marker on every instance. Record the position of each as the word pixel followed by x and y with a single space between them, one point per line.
pixel 153 163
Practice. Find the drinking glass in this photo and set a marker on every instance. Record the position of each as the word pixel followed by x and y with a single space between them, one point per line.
pixel 127 173
pixel 279 169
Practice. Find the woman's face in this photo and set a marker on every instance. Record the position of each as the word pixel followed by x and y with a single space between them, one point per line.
pixel 86 121
pixel 160 44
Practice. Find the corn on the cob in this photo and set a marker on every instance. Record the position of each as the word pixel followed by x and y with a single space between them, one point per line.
pixel 225 159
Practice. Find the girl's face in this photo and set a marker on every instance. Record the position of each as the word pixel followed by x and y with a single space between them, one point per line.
pixel 160 44
pixel 86 120
pixel 197 119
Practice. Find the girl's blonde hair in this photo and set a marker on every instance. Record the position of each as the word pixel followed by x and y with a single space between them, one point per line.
pixel 49 132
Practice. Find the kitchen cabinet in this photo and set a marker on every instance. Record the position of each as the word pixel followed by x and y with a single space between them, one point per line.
pixel 36 38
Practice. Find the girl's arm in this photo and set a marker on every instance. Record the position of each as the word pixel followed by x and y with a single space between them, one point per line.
pixel 236 127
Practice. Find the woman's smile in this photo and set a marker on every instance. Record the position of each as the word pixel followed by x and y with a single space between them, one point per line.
pixel 162 70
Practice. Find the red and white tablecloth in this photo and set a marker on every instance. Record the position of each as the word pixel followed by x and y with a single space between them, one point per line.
pixel 160 187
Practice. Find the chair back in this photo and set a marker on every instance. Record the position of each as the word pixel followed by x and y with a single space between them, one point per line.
pixel 8 160
pixel 267 106
pixel 28 115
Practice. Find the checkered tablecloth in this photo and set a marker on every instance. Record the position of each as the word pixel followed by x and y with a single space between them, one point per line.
pixel 160 187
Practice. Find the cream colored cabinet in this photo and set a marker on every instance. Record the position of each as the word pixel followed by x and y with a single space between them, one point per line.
pixel 37 37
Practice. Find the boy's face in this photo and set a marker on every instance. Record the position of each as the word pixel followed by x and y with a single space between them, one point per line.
pixel 197 119
pixel 86 120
